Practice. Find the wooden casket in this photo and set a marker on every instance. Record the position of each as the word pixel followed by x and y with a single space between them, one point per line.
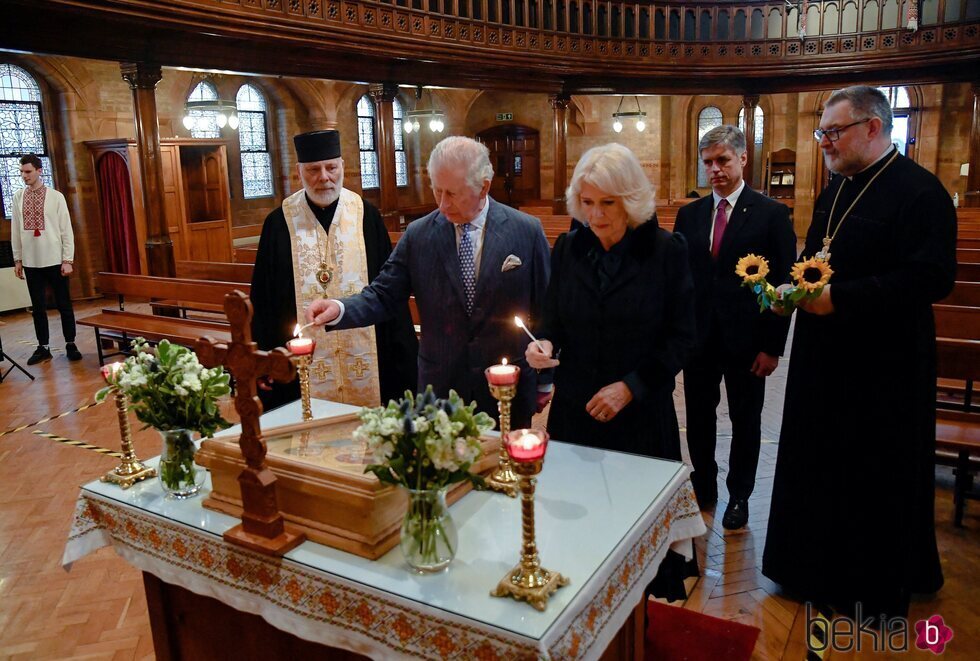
pixel 321 485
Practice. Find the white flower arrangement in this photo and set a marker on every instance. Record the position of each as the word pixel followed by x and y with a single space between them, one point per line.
pixel 422 442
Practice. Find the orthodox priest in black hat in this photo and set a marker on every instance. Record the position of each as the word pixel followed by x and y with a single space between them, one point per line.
pixel 327 242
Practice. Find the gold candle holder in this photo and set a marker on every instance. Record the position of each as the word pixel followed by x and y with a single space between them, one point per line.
pixel 304 449
pixel 131 470
pixel 303 370
pixel 503 478
pixel 529 581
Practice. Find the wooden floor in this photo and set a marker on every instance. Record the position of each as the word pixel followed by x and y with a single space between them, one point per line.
pixel 98 609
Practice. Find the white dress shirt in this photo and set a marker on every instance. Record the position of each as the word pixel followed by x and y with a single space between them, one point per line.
pixel 55 245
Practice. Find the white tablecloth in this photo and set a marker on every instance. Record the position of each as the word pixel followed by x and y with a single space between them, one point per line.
pixel 603 519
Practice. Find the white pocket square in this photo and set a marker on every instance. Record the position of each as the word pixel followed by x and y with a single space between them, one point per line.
pixel 511 263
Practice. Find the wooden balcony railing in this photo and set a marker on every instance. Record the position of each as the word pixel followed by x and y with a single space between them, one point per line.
pixel 572 45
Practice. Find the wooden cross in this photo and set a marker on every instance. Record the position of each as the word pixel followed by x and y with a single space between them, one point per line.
pixel 359 367
pixel 262 528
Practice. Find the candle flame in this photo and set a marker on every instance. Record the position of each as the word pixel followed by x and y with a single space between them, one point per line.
pixel 297 331
pixel 503 361
pixel 519 322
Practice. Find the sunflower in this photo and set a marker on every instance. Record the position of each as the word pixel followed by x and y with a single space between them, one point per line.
pixel 811 274
pixel 752 269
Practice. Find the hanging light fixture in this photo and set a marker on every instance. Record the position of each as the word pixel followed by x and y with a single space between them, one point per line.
pixel 226 112
pixel 637 115
pixel 414 119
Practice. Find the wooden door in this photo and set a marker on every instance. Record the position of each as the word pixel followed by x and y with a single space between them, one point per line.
pixel 515 152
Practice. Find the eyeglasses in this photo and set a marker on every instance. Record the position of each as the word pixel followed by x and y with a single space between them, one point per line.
pixel 834 134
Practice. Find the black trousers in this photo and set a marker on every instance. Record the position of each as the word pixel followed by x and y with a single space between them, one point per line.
pixel 37 280
pixel 746 395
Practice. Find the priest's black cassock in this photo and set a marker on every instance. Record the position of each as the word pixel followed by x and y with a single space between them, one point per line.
pixel 852 503
pixel 274 300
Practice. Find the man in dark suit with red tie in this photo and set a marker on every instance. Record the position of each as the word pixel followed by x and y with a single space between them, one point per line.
pixel 735 340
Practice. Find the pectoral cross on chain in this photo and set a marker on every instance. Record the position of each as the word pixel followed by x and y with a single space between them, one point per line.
pixel 824 253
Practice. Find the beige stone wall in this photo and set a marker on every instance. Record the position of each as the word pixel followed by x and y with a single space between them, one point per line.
pixel 88 100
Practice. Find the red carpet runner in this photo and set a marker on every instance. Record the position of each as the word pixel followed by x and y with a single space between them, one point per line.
pixel 678 634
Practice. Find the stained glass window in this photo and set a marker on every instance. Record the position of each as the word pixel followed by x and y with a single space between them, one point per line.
pixel 253 142
pixel 401 162
pixel 366 142
pixel 21 131
pixel 898 98
pixel 759 123
pixel 206 121
pixel 758 155
pixel 708 118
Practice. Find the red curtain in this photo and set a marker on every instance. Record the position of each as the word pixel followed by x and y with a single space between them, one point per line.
pixel 118 222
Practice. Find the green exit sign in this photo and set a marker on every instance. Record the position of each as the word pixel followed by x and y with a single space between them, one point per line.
pixel 505 116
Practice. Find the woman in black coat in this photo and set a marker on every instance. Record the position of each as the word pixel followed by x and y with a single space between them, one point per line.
pixel 619 321
pixel 619 313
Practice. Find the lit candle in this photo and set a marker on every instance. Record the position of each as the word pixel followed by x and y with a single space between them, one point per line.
pixel 299 345
pixel 111 371
pixel 525 445
pixel 503 374
pixel 520 324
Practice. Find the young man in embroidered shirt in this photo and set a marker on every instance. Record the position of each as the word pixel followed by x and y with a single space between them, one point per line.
pixel 44 250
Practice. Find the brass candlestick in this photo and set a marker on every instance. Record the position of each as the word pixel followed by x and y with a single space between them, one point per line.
pixel 503 478
pixel 529 580
pixel 303 371
pixel 131 470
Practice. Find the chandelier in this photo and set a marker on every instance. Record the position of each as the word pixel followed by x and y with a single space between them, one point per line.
pixel 225 112
pixel 414 119
pixel 637 115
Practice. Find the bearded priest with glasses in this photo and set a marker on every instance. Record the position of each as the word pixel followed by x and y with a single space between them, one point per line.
pixel 851 524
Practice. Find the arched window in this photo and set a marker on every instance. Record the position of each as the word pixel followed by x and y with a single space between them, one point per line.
pixel 206 124
pixel 757 151
pixel 902 111
pixel 401 162
pixel 366 142
pixel 21 131
pixel 254 143
pixel 708 118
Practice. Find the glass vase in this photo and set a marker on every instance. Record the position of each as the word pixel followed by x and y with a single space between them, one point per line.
pixel 428 535
pixel 179 476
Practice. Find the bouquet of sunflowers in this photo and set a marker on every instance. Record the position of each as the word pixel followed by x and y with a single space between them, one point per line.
pixel 809 277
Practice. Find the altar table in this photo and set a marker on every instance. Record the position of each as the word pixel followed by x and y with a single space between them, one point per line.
pixel 603 519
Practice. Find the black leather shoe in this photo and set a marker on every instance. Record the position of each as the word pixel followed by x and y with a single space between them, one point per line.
pixel 72 351
pixel 39 354
pixel 736 514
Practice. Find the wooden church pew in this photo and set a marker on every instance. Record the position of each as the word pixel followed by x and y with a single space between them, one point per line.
pixel 964 294
pixel 121 326
pixel 218 271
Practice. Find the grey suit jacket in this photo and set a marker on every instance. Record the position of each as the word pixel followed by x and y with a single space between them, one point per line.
pixel 456 348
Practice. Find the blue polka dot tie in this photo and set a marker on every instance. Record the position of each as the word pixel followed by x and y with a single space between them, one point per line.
pixel 467 266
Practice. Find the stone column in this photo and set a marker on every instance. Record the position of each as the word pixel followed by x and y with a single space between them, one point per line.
pixel 559 102
pixel 143 79
pixel 383 94
pixel 972 196
pixel 750 102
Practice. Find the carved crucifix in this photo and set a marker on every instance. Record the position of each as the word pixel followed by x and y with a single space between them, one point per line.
pixel 262 528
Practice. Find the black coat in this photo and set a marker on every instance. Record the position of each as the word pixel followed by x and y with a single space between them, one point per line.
pixel 639 330
pixel 726 310
pixel 274 302
pixel 852 500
